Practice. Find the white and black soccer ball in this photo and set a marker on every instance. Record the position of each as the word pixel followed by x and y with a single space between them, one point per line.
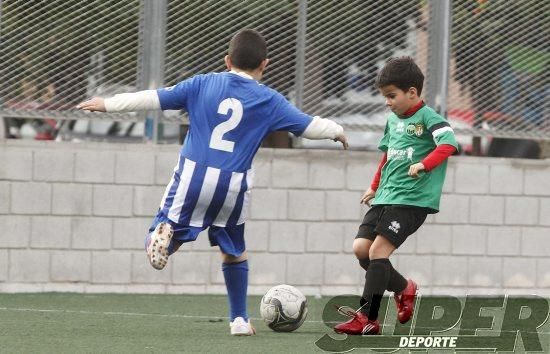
pixel 283 308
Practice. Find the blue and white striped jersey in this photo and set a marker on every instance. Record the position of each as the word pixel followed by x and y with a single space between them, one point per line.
pixel 200 195
pixel 230 114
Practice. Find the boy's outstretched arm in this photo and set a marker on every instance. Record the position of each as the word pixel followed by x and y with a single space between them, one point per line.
pixel 124 102
pixel 322 128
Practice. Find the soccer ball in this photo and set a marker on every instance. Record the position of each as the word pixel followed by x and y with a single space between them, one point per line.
pixel 283 308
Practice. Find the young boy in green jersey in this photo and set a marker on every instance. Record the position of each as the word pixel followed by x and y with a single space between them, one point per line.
pixel 406 188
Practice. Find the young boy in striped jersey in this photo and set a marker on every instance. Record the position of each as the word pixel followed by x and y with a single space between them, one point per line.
pixel 406 188
pixel 230 113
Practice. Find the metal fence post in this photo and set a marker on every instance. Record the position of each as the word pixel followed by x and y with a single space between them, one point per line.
pixel 439 47
pixel 3 122
pixel 300 61
pixel 153 40
pixel 301 53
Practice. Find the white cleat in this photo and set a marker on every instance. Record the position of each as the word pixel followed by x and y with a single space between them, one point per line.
pixel 239 327
pixel 157 250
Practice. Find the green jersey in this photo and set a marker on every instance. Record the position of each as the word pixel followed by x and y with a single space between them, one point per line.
pixel 406 142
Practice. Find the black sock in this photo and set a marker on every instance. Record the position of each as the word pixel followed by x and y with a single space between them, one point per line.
pixel 397 282
pixel 364 263
pixel 376 282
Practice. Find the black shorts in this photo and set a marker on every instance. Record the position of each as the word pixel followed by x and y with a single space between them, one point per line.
pixel 394 222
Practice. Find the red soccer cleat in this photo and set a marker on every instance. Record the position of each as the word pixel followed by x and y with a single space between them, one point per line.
pixel 358 325
pixel 405 302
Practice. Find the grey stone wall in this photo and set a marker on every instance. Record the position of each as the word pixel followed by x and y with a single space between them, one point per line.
pixel 73 218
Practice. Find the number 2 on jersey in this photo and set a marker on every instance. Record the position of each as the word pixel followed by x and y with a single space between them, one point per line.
pixel 216 140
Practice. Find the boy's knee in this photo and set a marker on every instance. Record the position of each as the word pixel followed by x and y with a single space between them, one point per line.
pixel 361 248
pixel 228 258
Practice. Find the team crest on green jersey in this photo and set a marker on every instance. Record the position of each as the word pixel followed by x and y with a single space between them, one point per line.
pixel 415 129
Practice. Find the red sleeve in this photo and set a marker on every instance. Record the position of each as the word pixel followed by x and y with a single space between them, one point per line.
pixel 436 157
pixel 376 180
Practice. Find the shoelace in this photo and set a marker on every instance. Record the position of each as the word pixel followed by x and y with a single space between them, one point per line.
pixel 346 311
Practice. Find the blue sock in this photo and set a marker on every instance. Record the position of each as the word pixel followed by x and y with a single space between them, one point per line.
pixel 236 282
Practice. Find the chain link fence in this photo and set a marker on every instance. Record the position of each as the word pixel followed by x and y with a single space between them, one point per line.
pixel 500 66
pixel 486 61
pixel 55 53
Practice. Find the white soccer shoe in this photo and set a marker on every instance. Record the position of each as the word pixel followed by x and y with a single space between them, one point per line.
pixel 239 327
pixel 157 249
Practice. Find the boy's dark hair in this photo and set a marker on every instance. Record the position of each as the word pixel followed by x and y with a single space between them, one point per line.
pixel 401 72
pixel 247 49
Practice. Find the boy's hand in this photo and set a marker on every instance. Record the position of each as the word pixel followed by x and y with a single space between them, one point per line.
pixel 94 104
pixel 342 138
pixel 415 169
pixel 369 194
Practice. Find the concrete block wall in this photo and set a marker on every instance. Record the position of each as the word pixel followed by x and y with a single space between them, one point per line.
pixel 73 218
